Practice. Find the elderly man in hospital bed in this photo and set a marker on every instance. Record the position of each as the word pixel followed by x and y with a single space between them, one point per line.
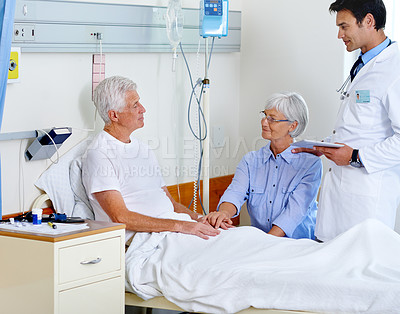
pixel 236 268
pixel 122 176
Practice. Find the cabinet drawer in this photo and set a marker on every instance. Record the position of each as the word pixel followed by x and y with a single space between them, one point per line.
pixel 89 259
pixel 104 297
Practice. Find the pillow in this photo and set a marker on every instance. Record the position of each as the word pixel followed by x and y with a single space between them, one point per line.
pixel 55 181
pixel 82 207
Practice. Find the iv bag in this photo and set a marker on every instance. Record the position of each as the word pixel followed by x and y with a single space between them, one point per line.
pixel 174 22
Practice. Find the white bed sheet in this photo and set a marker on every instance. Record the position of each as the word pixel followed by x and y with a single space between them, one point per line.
pixel 357 272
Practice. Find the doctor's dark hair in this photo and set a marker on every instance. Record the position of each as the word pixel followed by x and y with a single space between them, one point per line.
pixel 360 8
pixel 293 107
pixel 110 95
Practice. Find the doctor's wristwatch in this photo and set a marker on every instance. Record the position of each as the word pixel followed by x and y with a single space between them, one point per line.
pixel 355 160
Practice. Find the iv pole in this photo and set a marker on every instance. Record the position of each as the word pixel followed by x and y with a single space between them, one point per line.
pixel 217 26
pixel 206 146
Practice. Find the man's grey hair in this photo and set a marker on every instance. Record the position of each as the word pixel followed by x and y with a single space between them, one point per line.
pixel 293 107
pixel 110 95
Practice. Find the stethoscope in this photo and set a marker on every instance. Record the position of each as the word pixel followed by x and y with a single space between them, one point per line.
pixel 342 90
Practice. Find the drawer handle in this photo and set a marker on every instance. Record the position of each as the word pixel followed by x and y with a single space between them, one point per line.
pixel 95 261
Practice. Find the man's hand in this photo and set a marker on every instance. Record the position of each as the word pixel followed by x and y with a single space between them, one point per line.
pixel 340 156
pixel 199 229
pixel 307 150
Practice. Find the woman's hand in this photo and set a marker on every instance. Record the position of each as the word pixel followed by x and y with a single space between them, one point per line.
pixel 277 231
pixel 219 219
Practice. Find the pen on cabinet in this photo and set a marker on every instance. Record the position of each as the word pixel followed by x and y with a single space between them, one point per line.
pixel 52 225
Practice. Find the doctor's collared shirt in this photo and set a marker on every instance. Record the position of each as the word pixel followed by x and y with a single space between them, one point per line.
pixel 279 190
pixel 370 54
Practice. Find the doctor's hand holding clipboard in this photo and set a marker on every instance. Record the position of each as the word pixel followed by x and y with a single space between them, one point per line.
pixel 339 153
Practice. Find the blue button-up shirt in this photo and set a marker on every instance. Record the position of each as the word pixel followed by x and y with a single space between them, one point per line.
pixel 279 190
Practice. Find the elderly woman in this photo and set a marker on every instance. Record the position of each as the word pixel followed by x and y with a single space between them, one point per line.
pixel 280 187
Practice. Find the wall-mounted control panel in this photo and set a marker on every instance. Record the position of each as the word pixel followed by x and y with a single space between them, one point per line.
pixel 68 26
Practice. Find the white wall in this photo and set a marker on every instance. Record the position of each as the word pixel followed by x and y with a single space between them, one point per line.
pixel 58 85
pixel 290 45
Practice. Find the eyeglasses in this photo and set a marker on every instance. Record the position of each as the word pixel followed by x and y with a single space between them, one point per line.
pixel 263 115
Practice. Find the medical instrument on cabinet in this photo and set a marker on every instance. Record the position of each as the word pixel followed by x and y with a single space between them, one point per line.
pixel 342 90
pixel 53 217
pixel 53 226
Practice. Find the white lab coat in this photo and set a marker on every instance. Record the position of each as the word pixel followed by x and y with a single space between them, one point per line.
pixel 350 195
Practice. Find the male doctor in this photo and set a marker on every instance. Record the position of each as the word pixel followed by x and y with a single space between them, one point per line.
pixel 363 180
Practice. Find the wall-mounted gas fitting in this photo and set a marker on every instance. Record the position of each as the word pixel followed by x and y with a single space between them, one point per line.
pixel 14 65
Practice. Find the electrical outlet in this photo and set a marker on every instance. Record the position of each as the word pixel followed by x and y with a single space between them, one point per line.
pixel 24 32
pixel 218 137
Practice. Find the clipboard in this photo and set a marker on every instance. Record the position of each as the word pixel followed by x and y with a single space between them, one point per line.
pixel 311 144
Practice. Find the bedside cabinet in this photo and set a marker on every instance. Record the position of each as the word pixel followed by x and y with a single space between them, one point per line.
pixel 73 273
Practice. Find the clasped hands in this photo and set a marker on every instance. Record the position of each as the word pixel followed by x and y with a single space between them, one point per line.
pixel 217 220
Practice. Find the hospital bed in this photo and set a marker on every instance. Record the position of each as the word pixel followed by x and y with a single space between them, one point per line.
pixel 63 186
pixel 132 299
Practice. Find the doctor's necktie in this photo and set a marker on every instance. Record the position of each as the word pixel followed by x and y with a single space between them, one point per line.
pixel 356 67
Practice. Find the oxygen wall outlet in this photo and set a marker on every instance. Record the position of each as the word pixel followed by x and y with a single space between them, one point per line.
pixel 13 67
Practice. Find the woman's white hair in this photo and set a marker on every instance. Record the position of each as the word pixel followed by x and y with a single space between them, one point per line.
pixel 293 107
pixel 110 95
